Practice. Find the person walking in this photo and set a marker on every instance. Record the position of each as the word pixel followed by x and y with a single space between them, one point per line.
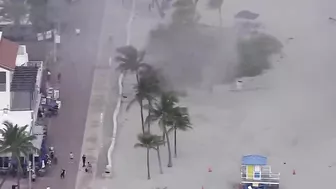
pixel 59 77
pixel 62 174
pixel 84 159
pixel 48 74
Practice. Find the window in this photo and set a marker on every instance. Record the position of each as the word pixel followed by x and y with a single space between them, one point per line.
pixel 2 81
pixel 1 162
pixel 6 162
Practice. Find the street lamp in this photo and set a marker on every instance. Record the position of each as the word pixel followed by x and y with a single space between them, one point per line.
pixel 57 40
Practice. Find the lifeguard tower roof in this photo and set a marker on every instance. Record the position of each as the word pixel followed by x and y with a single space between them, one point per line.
pixel 254 160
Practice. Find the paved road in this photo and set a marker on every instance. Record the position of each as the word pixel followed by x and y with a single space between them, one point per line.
pixel 78 57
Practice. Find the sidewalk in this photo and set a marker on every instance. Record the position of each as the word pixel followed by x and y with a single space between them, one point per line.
pixel 13 181
pixel 105 90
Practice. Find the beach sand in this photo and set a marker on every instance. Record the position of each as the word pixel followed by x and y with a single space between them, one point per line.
pixel 286 114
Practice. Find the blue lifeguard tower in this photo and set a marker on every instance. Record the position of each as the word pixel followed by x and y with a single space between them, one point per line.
pixel 256 174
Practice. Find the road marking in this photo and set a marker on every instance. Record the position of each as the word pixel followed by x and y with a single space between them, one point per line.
pixel 101 118
pixel 110 61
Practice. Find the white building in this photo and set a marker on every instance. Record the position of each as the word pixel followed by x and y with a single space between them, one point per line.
pixel 20 82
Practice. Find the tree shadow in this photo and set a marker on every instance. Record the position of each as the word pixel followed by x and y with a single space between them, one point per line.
pixel 192 54
pixel 254 54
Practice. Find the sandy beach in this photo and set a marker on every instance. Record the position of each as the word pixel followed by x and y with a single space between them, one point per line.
pixel 286 114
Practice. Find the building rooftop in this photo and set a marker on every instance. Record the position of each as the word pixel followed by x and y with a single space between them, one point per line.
pixel 24 79
pixel 8 53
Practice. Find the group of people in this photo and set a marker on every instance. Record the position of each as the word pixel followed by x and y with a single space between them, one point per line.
pixel 86 165
pixel 51 156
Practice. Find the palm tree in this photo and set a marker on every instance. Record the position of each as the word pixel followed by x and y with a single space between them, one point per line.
pixel 145 89
pixel 149 141
pixel 162 112
pixel 180 121
pixel 131 59
pixel 14 10
pixel 38 14
pixel 154 82
pixel 17 142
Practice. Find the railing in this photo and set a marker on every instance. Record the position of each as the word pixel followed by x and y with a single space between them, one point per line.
pixel 271 178
pixel 38 64
pixel 264 168
pixel 37 93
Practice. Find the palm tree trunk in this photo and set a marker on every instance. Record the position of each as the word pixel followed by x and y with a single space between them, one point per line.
pixel 175 151
pixel 142 117
pixel 159 159
pixel 170 163
pixel 164 137
pixel 19 171
pixel 137 77
pixel 149 113
pixel 148 171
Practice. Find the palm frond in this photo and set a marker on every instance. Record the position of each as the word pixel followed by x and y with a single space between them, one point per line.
pixel 181 119
pixel 139 145
pixel 120 59
pixel 128 51
pixel 141 56
pixel 130 59
pixel 147 140
pixel 16 140
pixel 144 68
pixel 8 124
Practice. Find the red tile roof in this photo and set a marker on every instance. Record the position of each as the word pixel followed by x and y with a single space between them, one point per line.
pixel 8 53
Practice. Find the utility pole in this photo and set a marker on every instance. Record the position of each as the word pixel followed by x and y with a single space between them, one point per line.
pixel 55 49
pixel 56 40
pixel 33 164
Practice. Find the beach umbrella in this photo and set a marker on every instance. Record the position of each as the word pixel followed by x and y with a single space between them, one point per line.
pixel 248 15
